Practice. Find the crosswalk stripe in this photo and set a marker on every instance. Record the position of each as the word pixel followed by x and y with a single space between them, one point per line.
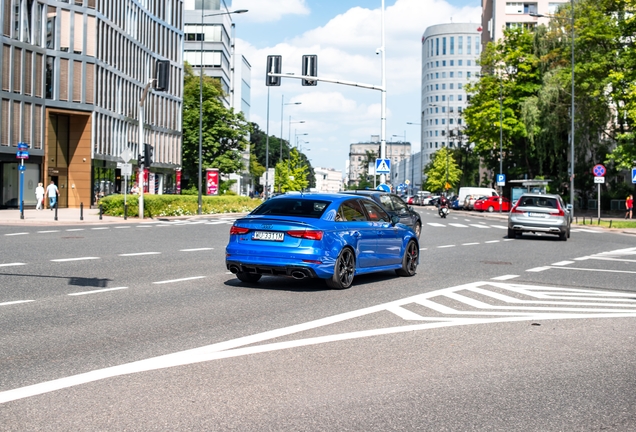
pixel 436 224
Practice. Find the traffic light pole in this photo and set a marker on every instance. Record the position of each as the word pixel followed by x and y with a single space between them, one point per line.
pixel 141 176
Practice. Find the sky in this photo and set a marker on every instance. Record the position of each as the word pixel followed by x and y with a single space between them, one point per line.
pixel 345 35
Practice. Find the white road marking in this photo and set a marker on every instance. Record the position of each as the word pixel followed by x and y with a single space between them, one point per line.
pixel 74 259
pixel 436 224
pixel 16 302
pixel 217 222
pixel 49 231
pixel 195 250
pixel 122 227
pixel 593 270
pixel 445 246
pixel 179 280
pixel 538 269
pixel 505 277
pixel 469 244
pixel 75 229
pixel 509 239
pixel 100 228
pixel 139 254
pixel 479 226
pixel 256 343
pixel 492 241
pixel 12 264
pixel 458 225
pixel 563 263
pixel 499 226
pixel 422 249
pixel 97 291
pixel 584 230
pixel 145 226
pixel 16 234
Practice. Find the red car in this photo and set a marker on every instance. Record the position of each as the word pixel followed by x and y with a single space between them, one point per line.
pixel 492 204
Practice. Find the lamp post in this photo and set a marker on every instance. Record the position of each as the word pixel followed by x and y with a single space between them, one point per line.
pixel 447 136
pixel 282 106
pixel 421 161
pixel 572 103
pixel 296 135
pixel 239 11
pixel 289 128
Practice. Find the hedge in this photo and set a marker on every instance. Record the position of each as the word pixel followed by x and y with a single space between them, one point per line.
pixel 176 205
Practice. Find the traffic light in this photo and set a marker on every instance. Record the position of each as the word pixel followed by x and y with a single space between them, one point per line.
pixel 162 75
pixel 140 160
pixel 148 152
pixel 310 68
pixel 274 65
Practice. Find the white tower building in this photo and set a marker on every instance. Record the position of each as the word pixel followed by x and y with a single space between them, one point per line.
pixel 449 62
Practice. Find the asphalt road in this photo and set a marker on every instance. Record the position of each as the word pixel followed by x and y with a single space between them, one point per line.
pixel 141 327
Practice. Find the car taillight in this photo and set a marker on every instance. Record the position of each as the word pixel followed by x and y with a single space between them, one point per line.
pixel 238 230
pixel 514 210
pixel 306 234
pixel 561 212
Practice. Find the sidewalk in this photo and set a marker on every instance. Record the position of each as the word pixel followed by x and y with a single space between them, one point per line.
pixel 65 216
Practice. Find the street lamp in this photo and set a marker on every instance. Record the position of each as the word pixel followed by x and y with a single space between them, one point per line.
pixel 296 135
pixel 239 11
pixel 572 102
pixel 421 161
pixel 289 128
pixel 282 105
pixel 447 136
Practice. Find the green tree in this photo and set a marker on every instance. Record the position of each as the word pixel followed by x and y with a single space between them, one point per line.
pixel 224 132
pixel 442 169
pixel 292 174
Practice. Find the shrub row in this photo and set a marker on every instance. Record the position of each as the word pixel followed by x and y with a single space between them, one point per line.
pixel 177 205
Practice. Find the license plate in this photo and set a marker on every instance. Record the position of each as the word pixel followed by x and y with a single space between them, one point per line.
pixel 268 236
pixel 538 215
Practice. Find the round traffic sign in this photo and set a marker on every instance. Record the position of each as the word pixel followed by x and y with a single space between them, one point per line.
pixel 598 170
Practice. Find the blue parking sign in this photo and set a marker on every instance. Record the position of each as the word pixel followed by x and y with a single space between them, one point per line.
pixel 633 175
pixel 501 179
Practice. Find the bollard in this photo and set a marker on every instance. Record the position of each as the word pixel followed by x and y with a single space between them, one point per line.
pixel 599 222
pixel 81 211
pixel 610 223
pixel 100 212
pixel 55 210
pixel 22 210
pixel 125 211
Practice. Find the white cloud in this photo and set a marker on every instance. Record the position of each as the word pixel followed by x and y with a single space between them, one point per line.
pixel 270 10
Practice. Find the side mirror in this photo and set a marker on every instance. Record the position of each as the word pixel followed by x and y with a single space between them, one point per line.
pixel 394 220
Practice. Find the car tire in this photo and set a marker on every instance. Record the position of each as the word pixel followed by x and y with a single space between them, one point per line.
pixel 563 236
pixel 409 260
pixel 248 277
pixel 512 234
pixel 568 232
pixel 418 229
pixel 491 209
pixel 343 270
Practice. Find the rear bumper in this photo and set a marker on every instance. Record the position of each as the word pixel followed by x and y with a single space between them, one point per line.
pixel 270 270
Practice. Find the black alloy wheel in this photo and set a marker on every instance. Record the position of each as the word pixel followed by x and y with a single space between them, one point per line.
pixel 248 277
pixel 343 271
pixel 409 260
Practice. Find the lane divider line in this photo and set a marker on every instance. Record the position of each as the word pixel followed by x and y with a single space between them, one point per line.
pixel 97 291
pixel 179 280
pixel 74 259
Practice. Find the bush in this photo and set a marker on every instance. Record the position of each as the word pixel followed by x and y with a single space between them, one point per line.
pixel 177 205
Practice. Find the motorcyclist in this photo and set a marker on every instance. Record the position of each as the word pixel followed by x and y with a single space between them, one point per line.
pixel 443 206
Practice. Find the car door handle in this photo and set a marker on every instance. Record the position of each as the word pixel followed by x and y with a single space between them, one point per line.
pixel 356 234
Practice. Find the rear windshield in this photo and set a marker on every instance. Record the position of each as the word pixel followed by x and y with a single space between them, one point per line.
pixel 292 207
pixel 546 202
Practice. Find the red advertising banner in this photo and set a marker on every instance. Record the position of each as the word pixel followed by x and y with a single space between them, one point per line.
pixel 212 176
pixel 178 181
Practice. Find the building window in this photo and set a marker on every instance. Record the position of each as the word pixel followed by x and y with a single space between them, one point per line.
pixel 468 63
pixel 50 76
pixel 459 62
pixel 452 45
pixel 459 97
pixel 468 44
pixel 460 46
pixel 443 63
pixel 443 46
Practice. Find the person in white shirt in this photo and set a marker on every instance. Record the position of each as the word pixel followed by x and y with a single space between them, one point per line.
pixel 52 193
pixel 39 195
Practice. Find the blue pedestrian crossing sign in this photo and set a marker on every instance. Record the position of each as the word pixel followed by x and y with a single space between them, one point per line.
pixel 633 175
pixel 384 187
pixel 501 179
pixel 383 166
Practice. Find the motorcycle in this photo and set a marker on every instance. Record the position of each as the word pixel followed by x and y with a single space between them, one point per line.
pixel 443 210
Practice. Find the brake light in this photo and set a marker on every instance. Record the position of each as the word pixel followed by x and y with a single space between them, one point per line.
pixel 514 209
pixel 561 212
pixel 306 234
pixel 235 230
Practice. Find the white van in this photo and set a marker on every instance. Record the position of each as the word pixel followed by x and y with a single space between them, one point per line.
pixel 479 191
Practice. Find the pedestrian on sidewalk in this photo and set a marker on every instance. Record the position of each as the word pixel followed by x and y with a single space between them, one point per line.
pixel 39 195
pixel 52 193
pixel 629 204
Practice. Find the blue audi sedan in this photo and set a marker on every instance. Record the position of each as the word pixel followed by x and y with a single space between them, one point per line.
pixel 327 236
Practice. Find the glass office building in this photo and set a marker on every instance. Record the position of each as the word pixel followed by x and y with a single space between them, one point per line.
pixel 72 78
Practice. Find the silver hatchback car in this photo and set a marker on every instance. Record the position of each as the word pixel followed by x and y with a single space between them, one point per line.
pixel 542 213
